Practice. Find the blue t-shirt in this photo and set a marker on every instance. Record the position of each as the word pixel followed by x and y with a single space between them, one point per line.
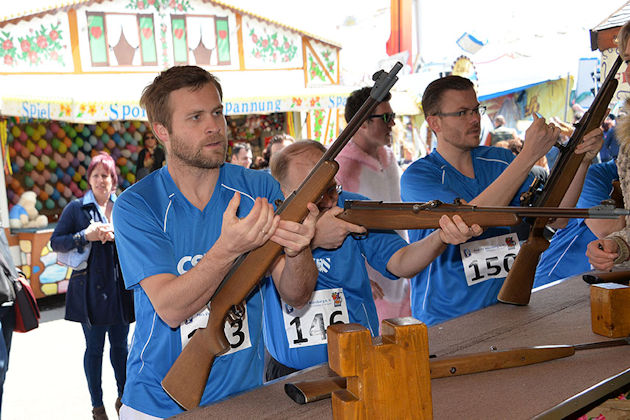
pixel 159 231
pixel 342 287
pixel 565 256
pixel 442 291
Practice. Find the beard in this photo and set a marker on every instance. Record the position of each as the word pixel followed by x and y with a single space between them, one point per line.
pixel 195 157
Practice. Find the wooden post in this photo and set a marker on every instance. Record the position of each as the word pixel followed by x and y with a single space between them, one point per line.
pixel 610 310
pixel 387 376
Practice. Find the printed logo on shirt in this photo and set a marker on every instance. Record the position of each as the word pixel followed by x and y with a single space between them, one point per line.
pixel 323 264
pixel 187 262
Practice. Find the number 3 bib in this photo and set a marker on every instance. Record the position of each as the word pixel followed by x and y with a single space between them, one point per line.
pixel 237 335
pixel 489 258
pixel 307 326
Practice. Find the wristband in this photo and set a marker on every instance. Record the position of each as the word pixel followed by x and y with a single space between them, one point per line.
pixel 622 249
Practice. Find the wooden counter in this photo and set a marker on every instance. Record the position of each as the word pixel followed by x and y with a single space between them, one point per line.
pixel 556 315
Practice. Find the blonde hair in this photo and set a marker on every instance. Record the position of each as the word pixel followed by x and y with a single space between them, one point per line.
pixel 622 37
pixel 279 165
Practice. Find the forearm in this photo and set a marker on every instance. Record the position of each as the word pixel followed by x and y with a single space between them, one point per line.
pixel 604 227
pixel 504 188
pixel 177 298
pixel 572 195
pixel 410 260
pixel 295 278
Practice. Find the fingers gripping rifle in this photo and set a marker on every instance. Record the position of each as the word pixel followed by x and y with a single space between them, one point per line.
pixel 517 286
pixel 186 380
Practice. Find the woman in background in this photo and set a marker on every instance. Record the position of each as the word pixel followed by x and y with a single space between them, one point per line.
pixel 96 296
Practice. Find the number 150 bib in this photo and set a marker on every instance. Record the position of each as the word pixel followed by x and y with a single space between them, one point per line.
pixel 489 258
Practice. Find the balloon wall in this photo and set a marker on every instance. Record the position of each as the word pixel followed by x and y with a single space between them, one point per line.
pixel 51 158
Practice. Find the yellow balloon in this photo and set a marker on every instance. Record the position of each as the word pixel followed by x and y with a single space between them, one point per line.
pixel 131 177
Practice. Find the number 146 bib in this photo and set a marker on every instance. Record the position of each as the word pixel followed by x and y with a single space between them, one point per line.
pixel 307 326
pixel 489 258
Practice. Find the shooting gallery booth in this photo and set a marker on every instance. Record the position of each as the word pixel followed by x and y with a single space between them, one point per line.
pixel 71 76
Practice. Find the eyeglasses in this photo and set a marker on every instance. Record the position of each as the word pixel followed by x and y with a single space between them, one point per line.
pixel 387 116
pixel 480 110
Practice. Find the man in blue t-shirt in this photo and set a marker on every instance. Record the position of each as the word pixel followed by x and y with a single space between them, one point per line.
pixel 566 255
pixel 467 277
pixel 178 232
pixel 296 339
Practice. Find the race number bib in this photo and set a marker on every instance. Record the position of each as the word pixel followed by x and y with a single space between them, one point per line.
pixel 237 335
pixel 489 258
pixel 307 326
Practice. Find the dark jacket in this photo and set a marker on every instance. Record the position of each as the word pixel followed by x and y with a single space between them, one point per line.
pixel 158 162
pixel 96 295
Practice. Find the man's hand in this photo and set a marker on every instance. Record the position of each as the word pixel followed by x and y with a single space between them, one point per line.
pixel 295 237
pixel 455 231
pixel 602 253
pixel 330 232
pixel 539 138
pixel 241 235
pixel 590 145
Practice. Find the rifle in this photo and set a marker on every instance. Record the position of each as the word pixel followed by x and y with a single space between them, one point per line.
pixel 517 287
pixel 187 378
pixel 383 215
pixel 619 277
pixel 319 389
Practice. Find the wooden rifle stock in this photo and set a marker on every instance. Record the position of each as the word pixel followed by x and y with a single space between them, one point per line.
pixel 383 215
pixel 517 287
pixel 319 389
pixel 186 380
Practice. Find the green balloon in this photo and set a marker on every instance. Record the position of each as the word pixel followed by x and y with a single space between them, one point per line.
pixel 79 142
pixel 50 204
pixel 83 185
pixel 74 148
pixel 28 167
pixel 124 170
pixel 38 205
pixel 55 143
pixel 29 130
pixel 28 181
pixel 52 164
pixel 72 133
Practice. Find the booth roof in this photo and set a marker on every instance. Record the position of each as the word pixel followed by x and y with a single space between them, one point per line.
pixel 69 95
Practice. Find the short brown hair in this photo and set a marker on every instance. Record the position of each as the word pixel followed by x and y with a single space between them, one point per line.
pixel 356 100
pixel 155 97
pixel 279 165
pixel 432 96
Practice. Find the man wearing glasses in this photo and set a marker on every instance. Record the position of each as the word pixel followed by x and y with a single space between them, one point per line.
pixel 467 277
pixel 367 166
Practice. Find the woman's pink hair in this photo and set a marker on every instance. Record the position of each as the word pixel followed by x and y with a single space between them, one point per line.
pixel 108 163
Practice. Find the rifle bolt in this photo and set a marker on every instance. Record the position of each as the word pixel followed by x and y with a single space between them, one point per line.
pixel 493 348
pixel 453 370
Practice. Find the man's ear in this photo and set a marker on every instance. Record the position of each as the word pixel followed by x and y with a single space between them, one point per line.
pixel 160 132
pixel 434 123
